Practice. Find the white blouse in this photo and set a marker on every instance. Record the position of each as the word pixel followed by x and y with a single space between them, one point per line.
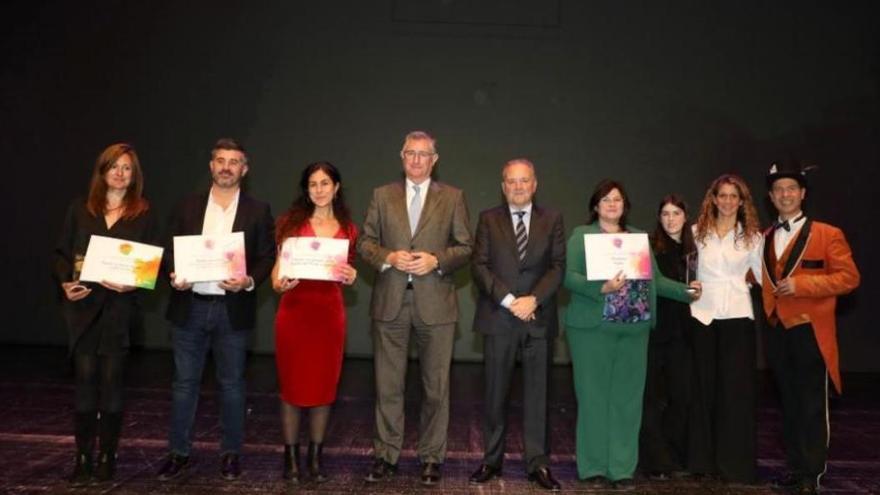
pixel 722 265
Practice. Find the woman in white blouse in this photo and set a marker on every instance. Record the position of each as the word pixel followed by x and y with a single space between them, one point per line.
pixel 729 244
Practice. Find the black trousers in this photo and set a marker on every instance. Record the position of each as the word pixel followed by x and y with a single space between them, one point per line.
pixel 722 421
pixel 802 380
pixel 499 362
pixel 664 433
pixel 98 382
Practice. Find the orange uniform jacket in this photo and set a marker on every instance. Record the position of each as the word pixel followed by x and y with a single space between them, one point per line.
pixel 820 261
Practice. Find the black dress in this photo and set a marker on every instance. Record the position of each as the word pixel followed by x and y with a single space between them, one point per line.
pixel 100 322
pixel 664 433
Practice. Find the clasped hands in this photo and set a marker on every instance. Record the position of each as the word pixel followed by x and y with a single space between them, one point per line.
pixel 524 307
pixel 413 262
pixel 233 284
pixel 695 288
pixel 74 291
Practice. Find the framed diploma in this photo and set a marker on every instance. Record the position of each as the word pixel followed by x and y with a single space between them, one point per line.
pixel 312 257
pixel 209 258
pixel 608 254
pixel 121 262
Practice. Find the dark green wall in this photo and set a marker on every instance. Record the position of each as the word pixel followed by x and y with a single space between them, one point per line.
pixel 661 96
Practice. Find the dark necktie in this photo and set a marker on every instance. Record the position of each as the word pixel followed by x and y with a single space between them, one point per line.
pixel 522 238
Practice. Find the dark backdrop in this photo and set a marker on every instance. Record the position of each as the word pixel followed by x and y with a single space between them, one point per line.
pixel 664 96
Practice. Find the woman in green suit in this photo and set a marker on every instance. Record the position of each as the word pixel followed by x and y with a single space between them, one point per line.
pixel 607 324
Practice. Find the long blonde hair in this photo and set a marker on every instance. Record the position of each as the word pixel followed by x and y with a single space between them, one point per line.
pixel 746 214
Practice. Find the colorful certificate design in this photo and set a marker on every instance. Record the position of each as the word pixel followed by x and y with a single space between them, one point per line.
pixel 609 254
pixel 312 257
pixel 121 262
pixel 209 258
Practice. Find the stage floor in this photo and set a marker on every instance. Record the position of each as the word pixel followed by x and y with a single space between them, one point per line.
pixel 36 443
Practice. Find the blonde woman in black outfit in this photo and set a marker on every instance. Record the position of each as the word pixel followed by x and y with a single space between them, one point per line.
pixel 99 316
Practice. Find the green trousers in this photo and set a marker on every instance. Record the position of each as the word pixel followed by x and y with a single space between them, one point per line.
pixel 609 364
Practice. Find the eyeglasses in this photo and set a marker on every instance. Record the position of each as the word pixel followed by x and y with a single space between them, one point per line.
pixel 232 163
pixel 410 154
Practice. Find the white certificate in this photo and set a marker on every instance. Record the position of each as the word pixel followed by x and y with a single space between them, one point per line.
pixel 209 258
pixel 121 262
pixel 609 254
pixel 312 257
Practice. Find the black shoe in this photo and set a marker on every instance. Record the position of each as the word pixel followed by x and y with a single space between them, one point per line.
pixel 430 473
pixel 291 463
pixel 543 478
pixel 314 462
pixel 485 473
pixel 174 466
pixel 788 480
pixel 380 470
pixel 623 485
pixel 82 469
pixel 106 466
pixel 807 487
pixel 596 482
pixel 230 469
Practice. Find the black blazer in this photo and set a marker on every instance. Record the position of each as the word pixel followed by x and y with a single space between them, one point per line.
pixel 252 217
pixel 79 226
pixel 497 270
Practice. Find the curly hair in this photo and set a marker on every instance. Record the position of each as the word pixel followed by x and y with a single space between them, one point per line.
pixel 746 214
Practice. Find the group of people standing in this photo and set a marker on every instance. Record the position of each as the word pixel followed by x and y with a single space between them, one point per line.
pixel 663 384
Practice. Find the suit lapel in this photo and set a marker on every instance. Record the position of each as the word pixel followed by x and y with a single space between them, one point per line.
pixel 398 200
pixel 431 201
pixel 797 249
pixel 241 213
pixel 505 226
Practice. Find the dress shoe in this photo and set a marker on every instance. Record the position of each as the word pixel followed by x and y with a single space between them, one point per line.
pixel 174 466
pixel 230 469
pixel 430 473
pixel 82 470
pixel 380 470
pixel 623 485
pixel 807 487
pixel 290 471
pixel 543 478
pixel 485 473
pixel 595 482
pixel 787 480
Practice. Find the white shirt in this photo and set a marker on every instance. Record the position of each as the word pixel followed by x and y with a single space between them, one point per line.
pixel 782 237
pixel 722 265
pixel 509 298
pixel 217 221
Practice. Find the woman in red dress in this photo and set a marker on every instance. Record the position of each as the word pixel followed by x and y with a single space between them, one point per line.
pixel 310 323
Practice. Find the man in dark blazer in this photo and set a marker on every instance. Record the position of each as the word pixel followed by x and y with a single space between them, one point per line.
pixel 216 315
pixel 415 235
pixel 518 265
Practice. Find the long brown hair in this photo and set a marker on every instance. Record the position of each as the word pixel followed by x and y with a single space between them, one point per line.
pixel 746 214
pixel 660 240
pixel 133 202
pixel 302 208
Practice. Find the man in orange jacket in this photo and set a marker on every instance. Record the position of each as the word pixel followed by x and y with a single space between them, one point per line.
pixel 807 264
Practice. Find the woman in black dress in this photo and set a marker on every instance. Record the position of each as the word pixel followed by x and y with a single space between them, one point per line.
pixel 663 437
pixel 99 316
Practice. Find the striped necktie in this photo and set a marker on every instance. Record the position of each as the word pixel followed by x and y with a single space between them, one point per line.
pixel 522 238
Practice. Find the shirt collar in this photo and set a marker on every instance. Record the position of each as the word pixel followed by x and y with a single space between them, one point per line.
pixel 233 204
pixel 527 208
pixel 423 187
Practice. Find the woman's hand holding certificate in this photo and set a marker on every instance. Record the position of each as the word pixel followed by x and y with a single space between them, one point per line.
pixel 316 258
pixel 119 265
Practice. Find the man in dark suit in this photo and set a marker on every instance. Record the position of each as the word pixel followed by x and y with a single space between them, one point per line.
pixel 518 265
pixel 415 235
pixel 216 315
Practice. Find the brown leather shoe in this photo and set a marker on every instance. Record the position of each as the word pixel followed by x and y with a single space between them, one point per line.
pixel 380 470
pixel 430 473
pixel 543 478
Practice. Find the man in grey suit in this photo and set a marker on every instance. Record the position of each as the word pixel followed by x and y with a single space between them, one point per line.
pixel 518 265
pixel 415 234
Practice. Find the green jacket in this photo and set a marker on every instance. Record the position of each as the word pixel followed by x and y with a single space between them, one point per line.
pixel 587 301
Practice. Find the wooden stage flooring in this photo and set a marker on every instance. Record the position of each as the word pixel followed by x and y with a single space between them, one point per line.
pixel 36 443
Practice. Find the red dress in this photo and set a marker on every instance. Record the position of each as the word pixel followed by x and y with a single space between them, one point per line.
pixel 310 335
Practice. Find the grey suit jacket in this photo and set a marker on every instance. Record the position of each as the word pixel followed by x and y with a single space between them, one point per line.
pixel 498 271
pixel 443 231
